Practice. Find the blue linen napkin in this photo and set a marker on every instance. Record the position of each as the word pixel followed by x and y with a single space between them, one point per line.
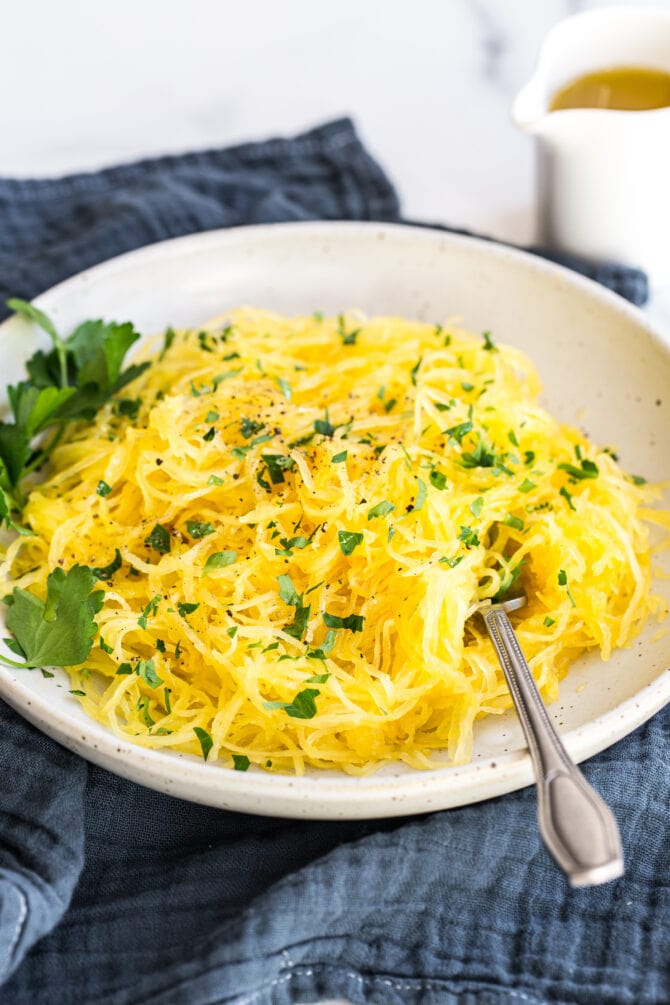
pixel 111 893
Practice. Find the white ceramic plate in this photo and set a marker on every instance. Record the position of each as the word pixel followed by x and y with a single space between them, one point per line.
pixel 602 367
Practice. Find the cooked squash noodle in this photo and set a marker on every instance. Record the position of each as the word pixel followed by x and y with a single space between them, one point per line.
pixel 307 512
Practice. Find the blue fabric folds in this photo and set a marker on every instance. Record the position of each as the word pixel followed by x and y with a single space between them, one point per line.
pixel 111 893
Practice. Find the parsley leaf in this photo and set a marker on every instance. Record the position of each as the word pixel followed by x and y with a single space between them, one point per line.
pixel 348 338
pixel 219 560
pixel 303 705
pixel 339 458
pixel 324 426
pixel 469 537
pixel 185 609
pixel 349 540
pixel 107 571
pixel 588 469
pixel 241 762
pixel 146 669
pixel 290 596
pixel 60 630
pixel 381 509
pixel 249 428
pixel 196 529
pixel 103 489
pixel 206 742
pixel 567 496
pixel 438 480
pixel 277 464
pixel 354 622
pixel 70 382
pixel 458 432
pixel 489 345
pixel 159 538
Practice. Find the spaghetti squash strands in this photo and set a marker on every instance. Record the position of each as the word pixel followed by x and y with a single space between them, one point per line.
pixel 307 512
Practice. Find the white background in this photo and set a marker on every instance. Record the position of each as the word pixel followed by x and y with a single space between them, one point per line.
pixel 429 83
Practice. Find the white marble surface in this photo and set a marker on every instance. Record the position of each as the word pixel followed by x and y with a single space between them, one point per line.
pixel 428 82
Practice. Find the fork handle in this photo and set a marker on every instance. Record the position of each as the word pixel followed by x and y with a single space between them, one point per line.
pixel 577 826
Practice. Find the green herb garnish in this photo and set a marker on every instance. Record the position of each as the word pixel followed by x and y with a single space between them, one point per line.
pixel 159 538
pixel 196 529
pixel 349 540
pixel 353 622
pixel 381 509
pixel 58 631
pixel 206 742
pixel 219 560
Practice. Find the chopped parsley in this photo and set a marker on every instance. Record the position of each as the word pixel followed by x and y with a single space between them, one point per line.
pixel 107 571
pixel 205 740
pixel 458 432
pixel 348 338
pixel 196 529
pixel 353 622
pixel 241 762
pixel 285 388
pixel 489 345
pixel 339 458
pixel 103 489
pixel 159 538
pixel 276 465
pixel 513 521
pixel 214 480
pixel 476 506
pixel 588 469
pixel 438 480
pixel 349 540
pixel 185 609
pixel 527 485
pixel 249 428
pixel 381 509
pixel 149 611
pixel 567 496
pixel 548 622
pixel 469 537
pixel 303 705
pixel 324 426
pixel 451 562
pixel 219 560
pixel 290 596
pixel 146 669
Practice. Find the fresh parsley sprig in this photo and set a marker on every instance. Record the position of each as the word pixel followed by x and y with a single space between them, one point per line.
pixel 68 383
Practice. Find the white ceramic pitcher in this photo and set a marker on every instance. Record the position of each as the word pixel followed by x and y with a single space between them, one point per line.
pixel 603 174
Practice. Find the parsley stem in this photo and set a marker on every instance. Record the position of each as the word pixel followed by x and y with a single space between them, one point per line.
pixel 41 455
pixel 12 663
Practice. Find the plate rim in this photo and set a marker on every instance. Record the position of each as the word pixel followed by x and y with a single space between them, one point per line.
pixel 350 797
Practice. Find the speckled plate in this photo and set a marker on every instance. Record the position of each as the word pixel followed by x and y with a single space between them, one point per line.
pixel 602 365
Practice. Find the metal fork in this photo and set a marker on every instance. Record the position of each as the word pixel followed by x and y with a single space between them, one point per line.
pixel 577 827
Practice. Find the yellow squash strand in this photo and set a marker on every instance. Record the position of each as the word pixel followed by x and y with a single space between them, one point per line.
pixel 397 473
